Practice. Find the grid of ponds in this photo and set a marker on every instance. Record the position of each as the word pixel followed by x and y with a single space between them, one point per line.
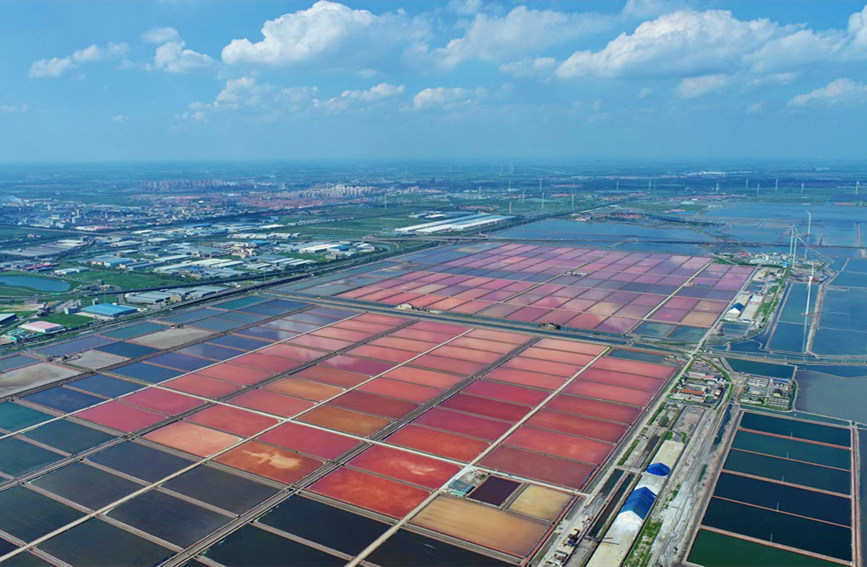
pixel 661 295
pixel 783 497
pixel 303 433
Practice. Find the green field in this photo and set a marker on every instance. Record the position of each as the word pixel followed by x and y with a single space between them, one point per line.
pixel 69 321
pixel 123 279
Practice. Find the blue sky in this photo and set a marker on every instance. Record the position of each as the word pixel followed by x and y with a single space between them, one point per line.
pixel 636 80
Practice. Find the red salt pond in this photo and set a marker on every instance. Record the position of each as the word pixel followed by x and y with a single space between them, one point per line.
pixel 332 417
pixel 668 315
pixel 405 466
pixel 120 416
pixel 394 355
pixel 399 389
pixel 617 324
pixel 562 445
pixel 192 438
pixel 419 335
pixel 622 379
pixel 585 321
pixel 350 335
pixel 539 467
pixel 321 343
pixel 478 356
pixel 485 407
pixel 163 401
pixel 358 365
pixel 535 379
pixel 304 389
pixel 612 393
pixel 529 314
pixel 447 445
pixel 700 319
pixel 333 376
pixel 410 345
pixel 634 367
pixel 269 461
pixel 367 328
pixel 423 377
pixel 374 404
pixel 460 367
pixel 465 424
pixel 233 420
pixel 550 302
pixel 202 386
pixel 388 497
pixel 482 344
pixel 237 374
pixel 594 408
pixel 272 363
pixel 426 300
pixel 447 303
pixel 506 392
pixel 575 425
pixel 271 402
pixel 544 366
pixel 381 319
pixel 552 355
pixel 309 440
pixel 380 295
pixel 472 306
pixel 291 352
pixel 438 327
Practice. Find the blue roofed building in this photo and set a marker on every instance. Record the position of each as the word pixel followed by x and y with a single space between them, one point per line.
pixel 108 310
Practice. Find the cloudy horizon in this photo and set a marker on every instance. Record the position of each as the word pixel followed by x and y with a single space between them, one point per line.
pixel 591 80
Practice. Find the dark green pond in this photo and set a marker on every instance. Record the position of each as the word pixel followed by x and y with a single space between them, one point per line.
pixel 784 529
pixel 327 525
pixel 793 449
pixel 783 498
pixel 797 428
pixel 803 474
pixel 712 549
pixel 35 515
pixel 96 543
pixel 254 547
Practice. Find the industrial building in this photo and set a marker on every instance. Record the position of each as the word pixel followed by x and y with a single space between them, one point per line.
pixel 41 327
pixel 621 536
pixel 459 224
pixel 149 297
pixel 752 309
pixel 108 311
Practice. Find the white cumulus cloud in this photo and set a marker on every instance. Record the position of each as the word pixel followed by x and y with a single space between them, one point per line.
pixel 171 54
pixel 694 87
pixel 836 92
pixel 246 94
pixel 56 66
pixel 354 98
pixel 678 44
pixel 538 67
pixel 14 108
pixel 520 32
pixel 327 31
pixel 161 35
pixel 692 43
pixel 446 97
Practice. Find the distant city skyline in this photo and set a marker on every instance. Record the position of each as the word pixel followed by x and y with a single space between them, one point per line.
pixel 636 80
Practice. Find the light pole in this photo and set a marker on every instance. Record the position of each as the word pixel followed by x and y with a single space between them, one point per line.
pixel 809 222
